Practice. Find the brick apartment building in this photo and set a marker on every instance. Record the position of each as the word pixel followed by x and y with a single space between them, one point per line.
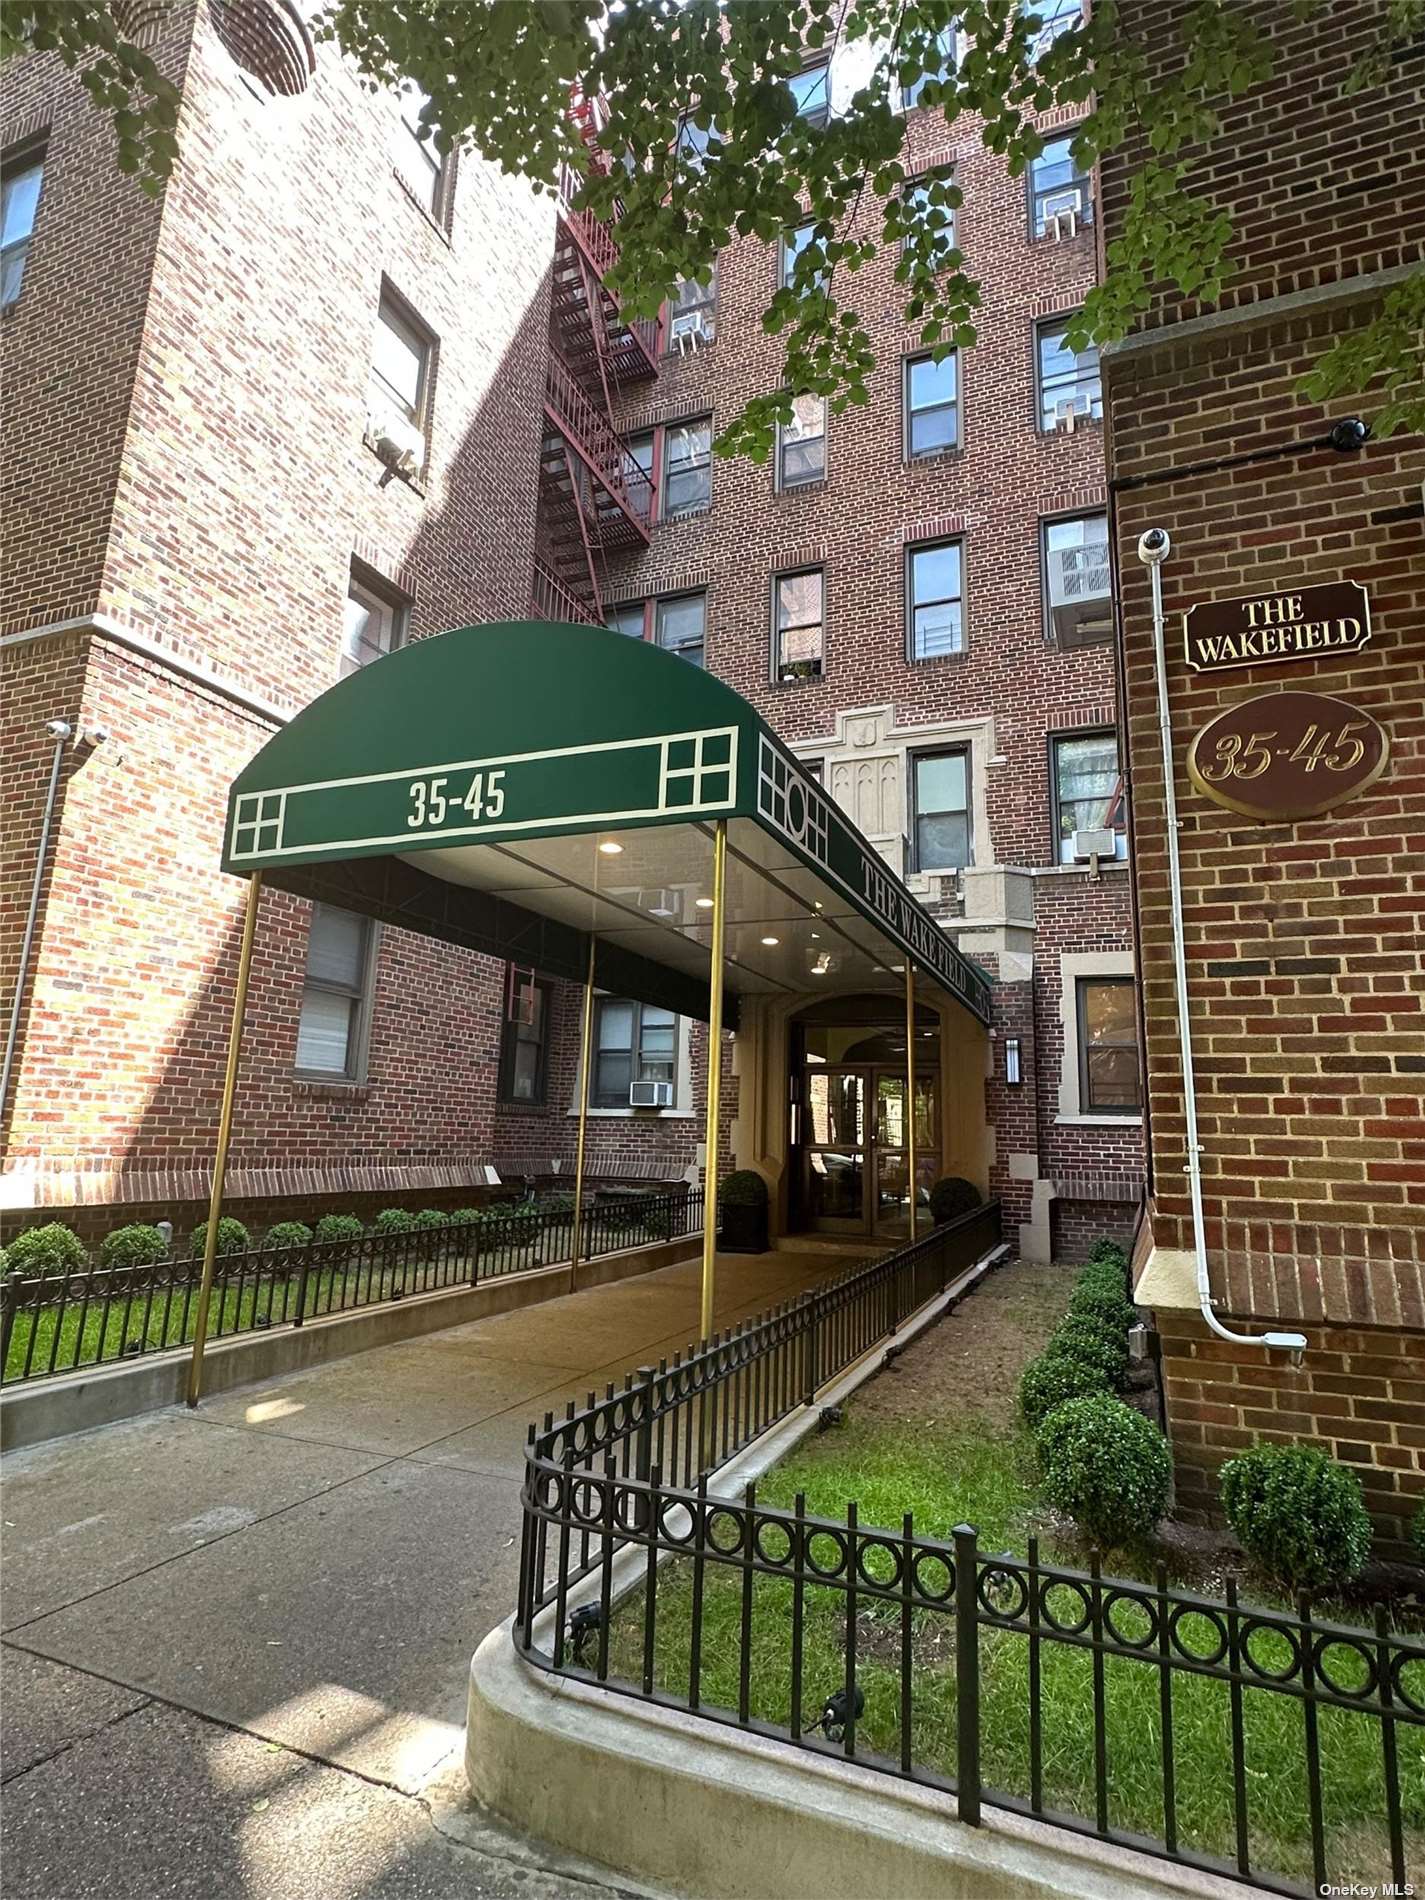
pixel 1303 933
pixel 914 595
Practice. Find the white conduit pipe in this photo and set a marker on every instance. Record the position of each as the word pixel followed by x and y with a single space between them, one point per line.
pixel 1153 548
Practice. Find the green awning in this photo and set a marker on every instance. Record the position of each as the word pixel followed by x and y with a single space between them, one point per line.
pixel 514 787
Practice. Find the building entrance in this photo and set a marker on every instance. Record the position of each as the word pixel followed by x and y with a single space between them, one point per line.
pixel 849 1120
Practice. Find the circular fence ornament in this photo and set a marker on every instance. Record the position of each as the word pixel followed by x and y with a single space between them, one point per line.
pixel 1282 756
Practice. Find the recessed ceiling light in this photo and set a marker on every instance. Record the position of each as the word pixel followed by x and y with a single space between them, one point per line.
pixel 816 936
pixel 770 941
pixel 610 849
pixel 703 903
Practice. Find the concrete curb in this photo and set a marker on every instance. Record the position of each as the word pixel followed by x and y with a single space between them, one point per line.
pixel 78 1401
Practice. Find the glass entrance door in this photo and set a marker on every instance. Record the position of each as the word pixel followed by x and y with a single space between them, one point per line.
pixel 856 1148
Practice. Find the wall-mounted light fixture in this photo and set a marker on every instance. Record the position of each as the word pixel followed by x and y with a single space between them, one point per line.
pixel 1012 1073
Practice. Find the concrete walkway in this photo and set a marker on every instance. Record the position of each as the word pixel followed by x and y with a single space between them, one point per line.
pixel 236 1640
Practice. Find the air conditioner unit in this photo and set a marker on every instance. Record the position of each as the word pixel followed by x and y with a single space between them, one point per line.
pixel 1062 211
pixel 650 1094
pixel 1080 600
pixel 1093 844
pixel 396 440
pixel 688 329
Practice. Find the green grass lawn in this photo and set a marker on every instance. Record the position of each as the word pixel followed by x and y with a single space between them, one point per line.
pixel 985 1475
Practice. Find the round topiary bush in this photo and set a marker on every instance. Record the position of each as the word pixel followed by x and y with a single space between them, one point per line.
pixel 1298 1515
pixel 288 1233
pixel 339 1227
pixel 1076 1337
pixel 744 1187
pixel 232 1237
pixel 1051 1380
pixel 1102 1306
pixel 952 1196
pixel 1105 1466
pixel 467 1216
pixel 430 1217
pixel 53 1248
pixel 135 1246
pixel 393 1220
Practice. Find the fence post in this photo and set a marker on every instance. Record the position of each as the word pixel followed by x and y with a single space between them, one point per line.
pixel 9 1306
pixel 643 1448
pixel 967 1674
pixel 811 1376
pixel 302 1284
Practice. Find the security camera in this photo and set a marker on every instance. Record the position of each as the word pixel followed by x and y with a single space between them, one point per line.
pixel 59 729
pixel 1153 547
pixel 1349 435
pixel 95 735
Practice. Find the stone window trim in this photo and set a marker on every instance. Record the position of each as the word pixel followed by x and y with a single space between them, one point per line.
pixel 1072 966
pixel 682 1085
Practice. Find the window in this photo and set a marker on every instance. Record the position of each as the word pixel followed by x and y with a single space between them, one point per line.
pixel 331 1030
pixel 400 377
pixel 1069 383
pixel 934 589
pixel 413 150
pixel 524 1045
pixel 1057 188
pixel 693 309
pixel 811 91
pixel 633 1042
pixel 815 769
pixel 1088 791
pixel 793 244
pixel 375 625
pixel 935 216
pixel 1108 1046
pixel 693 141
pixel 678 625
pixel 941 806
pixel 932 405
pixel 938 73
pixel 801 443
pixel 20 197
pixel 1077 595
pixel 1054 17
pixel 637 465
pixel 687 467
pixel 797 625
pixel 628 619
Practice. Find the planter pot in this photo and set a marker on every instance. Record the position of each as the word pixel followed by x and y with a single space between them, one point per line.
pixel 743 1229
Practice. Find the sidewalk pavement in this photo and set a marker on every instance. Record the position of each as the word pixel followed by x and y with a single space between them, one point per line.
pixel 235 1641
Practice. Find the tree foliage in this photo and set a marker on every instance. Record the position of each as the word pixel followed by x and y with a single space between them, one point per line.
pixel 699 115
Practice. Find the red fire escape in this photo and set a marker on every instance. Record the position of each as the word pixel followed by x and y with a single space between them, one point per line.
pixel 595 500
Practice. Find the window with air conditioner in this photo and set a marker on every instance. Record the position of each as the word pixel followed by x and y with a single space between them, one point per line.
pixel 801 443
pixel 1070 386
pixel 1077 591
pixel 635 1045
pixel 687 467
pixel 798 627
pixel 374 625
pixel 692 312
pixel 336 995
pixel 1090 815
pixel 398 391
pixel 1060 194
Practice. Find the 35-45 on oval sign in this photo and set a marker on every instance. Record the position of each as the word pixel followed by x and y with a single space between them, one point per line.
pixel 1287 755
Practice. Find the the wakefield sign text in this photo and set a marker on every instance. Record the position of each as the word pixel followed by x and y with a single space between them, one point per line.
pixel 1307 623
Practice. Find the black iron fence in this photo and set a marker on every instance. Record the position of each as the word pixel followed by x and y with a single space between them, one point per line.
pixel 1262 1743
pixel 60 1322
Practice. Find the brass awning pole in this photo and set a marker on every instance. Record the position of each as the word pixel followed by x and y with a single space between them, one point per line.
pixel 710 1131
pixel 586 1037
pixel 225 1129
pixel 910 1090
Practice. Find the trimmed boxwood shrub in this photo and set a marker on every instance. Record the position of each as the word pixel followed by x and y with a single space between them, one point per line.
pixel 136 1246
pixel 232 1237
pixel 430 1217
pixel 1298 1514
pixel 393 1220
pixel 744 1187
pixel 1109 1253
pixel 1051 1380
pixel 952 1196
pixel 1103 1306
pixel 1105 1466
pixel 339 1227
pixel 1079 1338
pixel 1417 1533
pixel 466 1216
pixel 287 1233
pixel 53 1248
